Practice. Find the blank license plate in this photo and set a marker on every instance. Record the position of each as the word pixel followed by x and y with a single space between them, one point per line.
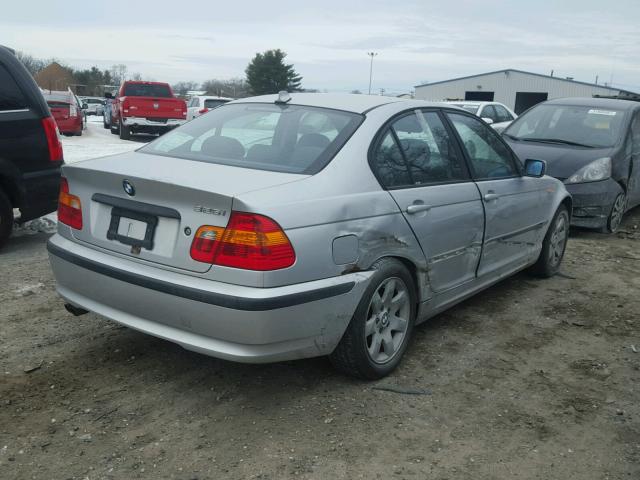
pixel 132 228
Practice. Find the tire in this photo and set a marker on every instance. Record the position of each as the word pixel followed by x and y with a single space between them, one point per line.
pixel 6 218
pixel 125 132
pixel 114 128
pixel 553 245
pixel 104 123
pixel 361 352
pixel 614 220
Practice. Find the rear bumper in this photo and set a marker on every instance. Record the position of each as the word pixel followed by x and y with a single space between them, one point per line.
pixel 592 202
pixel 71 125
pixel 149 122
pixel 246 324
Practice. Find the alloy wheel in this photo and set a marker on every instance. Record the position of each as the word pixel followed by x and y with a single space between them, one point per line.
pixel 558 240
pixel 616 213
pixel 387 320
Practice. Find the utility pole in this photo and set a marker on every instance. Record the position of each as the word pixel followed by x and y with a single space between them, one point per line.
pixel 371 54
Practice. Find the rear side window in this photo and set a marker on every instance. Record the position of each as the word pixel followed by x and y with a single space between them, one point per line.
pixel 11 97
pixel 146 90
pixel 285 138
pixel 417 150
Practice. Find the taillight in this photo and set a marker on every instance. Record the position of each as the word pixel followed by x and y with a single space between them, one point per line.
pixel 250 241
pixel 69 208
pixel 203 110
pixel 53 142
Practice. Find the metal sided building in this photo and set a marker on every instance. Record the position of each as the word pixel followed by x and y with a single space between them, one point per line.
pixel 516 89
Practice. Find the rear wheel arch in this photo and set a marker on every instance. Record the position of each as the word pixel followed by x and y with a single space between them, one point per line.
pixel 411 266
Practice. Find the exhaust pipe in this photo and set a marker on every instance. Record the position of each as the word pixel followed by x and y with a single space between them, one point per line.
pixel 76 311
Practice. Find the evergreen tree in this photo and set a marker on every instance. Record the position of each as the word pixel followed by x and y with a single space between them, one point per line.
pixel 267 73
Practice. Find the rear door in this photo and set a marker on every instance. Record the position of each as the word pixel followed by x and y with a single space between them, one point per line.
pixel 515 219
pixel 424 171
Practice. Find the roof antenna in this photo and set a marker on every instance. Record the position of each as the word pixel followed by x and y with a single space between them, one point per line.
pixel 283 97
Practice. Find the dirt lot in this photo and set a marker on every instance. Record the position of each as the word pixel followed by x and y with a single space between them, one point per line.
pixel 532 379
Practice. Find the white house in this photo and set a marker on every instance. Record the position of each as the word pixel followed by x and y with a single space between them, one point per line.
pixel 516 89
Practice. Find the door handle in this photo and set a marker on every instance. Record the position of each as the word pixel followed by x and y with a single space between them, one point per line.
pixel 417 208
pixel 491 196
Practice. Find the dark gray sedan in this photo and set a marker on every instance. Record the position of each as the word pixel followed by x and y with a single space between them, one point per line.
pixel 593 146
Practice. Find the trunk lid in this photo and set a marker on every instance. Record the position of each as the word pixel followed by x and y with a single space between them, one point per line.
pixel 169 194
pixel 151 107
pixel 59 110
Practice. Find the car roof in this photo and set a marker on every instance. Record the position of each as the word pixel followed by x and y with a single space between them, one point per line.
pixel 595 102
pixel 356 103
pixel 467 102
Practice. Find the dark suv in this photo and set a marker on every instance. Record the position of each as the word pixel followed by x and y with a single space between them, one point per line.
pixel 30 150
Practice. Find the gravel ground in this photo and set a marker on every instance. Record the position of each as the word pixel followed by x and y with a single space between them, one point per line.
pixel 531 379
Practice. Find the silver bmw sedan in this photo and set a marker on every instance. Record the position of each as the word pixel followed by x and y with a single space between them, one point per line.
pixel 297 225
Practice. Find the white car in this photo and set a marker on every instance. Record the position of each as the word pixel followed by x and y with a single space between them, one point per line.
pixel 95 105
pixel 498 115
pixel 196 106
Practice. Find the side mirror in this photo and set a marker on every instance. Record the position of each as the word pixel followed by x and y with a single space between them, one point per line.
pixel 85 106
pixel 534 168
pixel 487 120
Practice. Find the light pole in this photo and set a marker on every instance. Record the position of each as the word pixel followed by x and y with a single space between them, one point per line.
pixel 371 54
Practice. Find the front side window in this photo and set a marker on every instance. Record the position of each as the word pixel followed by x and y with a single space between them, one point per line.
pixel 502 114
pixel 489 112
pixel 261 136
pixel 489 157
pixel 417 150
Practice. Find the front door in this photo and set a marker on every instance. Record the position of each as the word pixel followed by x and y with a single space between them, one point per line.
pixel 425 173
pixel 514 217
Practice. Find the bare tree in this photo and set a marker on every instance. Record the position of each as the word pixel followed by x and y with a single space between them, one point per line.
pixel 181 88
pixel 234 87
pixel 118 73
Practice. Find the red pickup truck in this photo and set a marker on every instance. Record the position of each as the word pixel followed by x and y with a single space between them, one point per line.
pixel 146 107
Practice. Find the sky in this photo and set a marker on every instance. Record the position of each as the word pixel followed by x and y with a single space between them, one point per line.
pixel 416 41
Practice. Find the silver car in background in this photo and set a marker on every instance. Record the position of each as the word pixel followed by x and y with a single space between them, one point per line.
pixel 291 226
pixel 496 114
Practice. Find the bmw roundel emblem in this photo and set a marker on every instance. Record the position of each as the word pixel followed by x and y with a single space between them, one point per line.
pixel 128 188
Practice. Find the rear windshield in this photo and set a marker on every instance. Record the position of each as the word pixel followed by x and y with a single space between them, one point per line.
pixel 213 103
pixel 93 100
pixel 469 108
pixel 283 138
pixel 53 104
pixel 147 90
pixel 581 125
